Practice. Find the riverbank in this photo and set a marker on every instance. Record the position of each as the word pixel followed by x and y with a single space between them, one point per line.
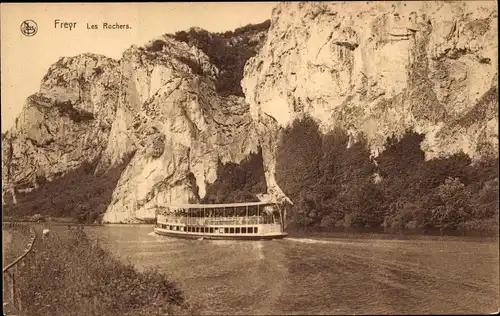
pixel 37 218
pixel 357 233
pixel 492 233
pixel 69 274
pixel 65 221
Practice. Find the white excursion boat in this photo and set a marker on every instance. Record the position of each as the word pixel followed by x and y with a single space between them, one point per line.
pixel 252 220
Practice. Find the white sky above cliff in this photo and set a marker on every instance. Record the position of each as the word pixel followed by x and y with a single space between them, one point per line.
pixel 25 60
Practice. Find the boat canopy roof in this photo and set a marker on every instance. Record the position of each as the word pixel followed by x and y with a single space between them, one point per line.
pixel 229 205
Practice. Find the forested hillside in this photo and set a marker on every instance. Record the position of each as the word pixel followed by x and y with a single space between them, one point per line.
pixel 336 185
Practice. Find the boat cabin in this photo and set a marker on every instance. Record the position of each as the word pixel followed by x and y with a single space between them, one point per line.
pixel 252 220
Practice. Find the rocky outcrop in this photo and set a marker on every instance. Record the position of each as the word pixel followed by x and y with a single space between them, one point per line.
pixel 380 68
pixel 182 127
pixel 377 68
pixel 65 124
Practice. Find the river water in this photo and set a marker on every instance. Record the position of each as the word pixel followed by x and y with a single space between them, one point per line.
pixel 318 275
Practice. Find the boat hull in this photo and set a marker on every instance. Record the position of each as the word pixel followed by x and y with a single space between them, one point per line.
pixel 183 235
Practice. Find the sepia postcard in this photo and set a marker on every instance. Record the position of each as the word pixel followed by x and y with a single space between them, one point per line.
pixel 250 158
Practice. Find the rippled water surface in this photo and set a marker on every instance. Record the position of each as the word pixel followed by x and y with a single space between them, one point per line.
pixel 319 276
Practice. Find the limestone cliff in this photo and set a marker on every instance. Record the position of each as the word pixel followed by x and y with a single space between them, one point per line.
pixel 180 127
pixel 161 103
pixel 377 68
pixel 65 124
pixel 380 68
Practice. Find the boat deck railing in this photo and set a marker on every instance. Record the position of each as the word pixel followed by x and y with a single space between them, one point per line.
pixel 250 220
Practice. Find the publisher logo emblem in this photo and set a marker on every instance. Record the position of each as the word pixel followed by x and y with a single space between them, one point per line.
pixel 29 28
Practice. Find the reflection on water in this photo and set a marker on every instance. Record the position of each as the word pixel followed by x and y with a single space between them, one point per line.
pixel 318 276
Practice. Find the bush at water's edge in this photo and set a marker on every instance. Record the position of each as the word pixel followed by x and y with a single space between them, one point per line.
pixel 69 274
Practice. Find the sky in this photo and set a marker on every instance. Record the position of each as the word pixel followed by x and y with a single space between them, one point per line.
pixel 26 59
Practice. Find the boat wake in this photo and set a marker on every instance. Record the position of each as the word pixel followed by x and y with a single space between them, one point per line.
pixel 313 241
pixel 161 239
pixel 223 242
pixel 259 248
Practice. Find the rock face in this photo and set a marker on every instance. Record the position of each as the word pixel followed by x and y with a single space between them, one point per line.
pixel 380 68
pixel 65 124
pixel 158 102
pixel 369 67
pixel 181 127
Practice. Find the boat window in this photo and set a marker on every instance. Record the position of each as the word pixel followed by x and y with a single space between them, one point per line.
pixel 237 230
pixel 250 230
pixel 255 230
pixel 243 230
pixel 226 230
pixel 171 227
pixel 231 230
pixel 184 228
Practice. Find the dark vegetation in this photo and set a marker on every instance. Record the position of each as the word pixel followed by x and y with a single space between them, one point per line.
pixel 66 108
pixel 238 182
pixel 195 67
pixel 228 51
pixel 156 46
pixel 78 194
pixel 69 274
pixel 333 186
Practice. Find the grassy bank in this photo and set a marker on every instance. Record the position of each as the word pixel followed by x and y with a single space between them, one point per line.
pixel 15 239
pixel 69 274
